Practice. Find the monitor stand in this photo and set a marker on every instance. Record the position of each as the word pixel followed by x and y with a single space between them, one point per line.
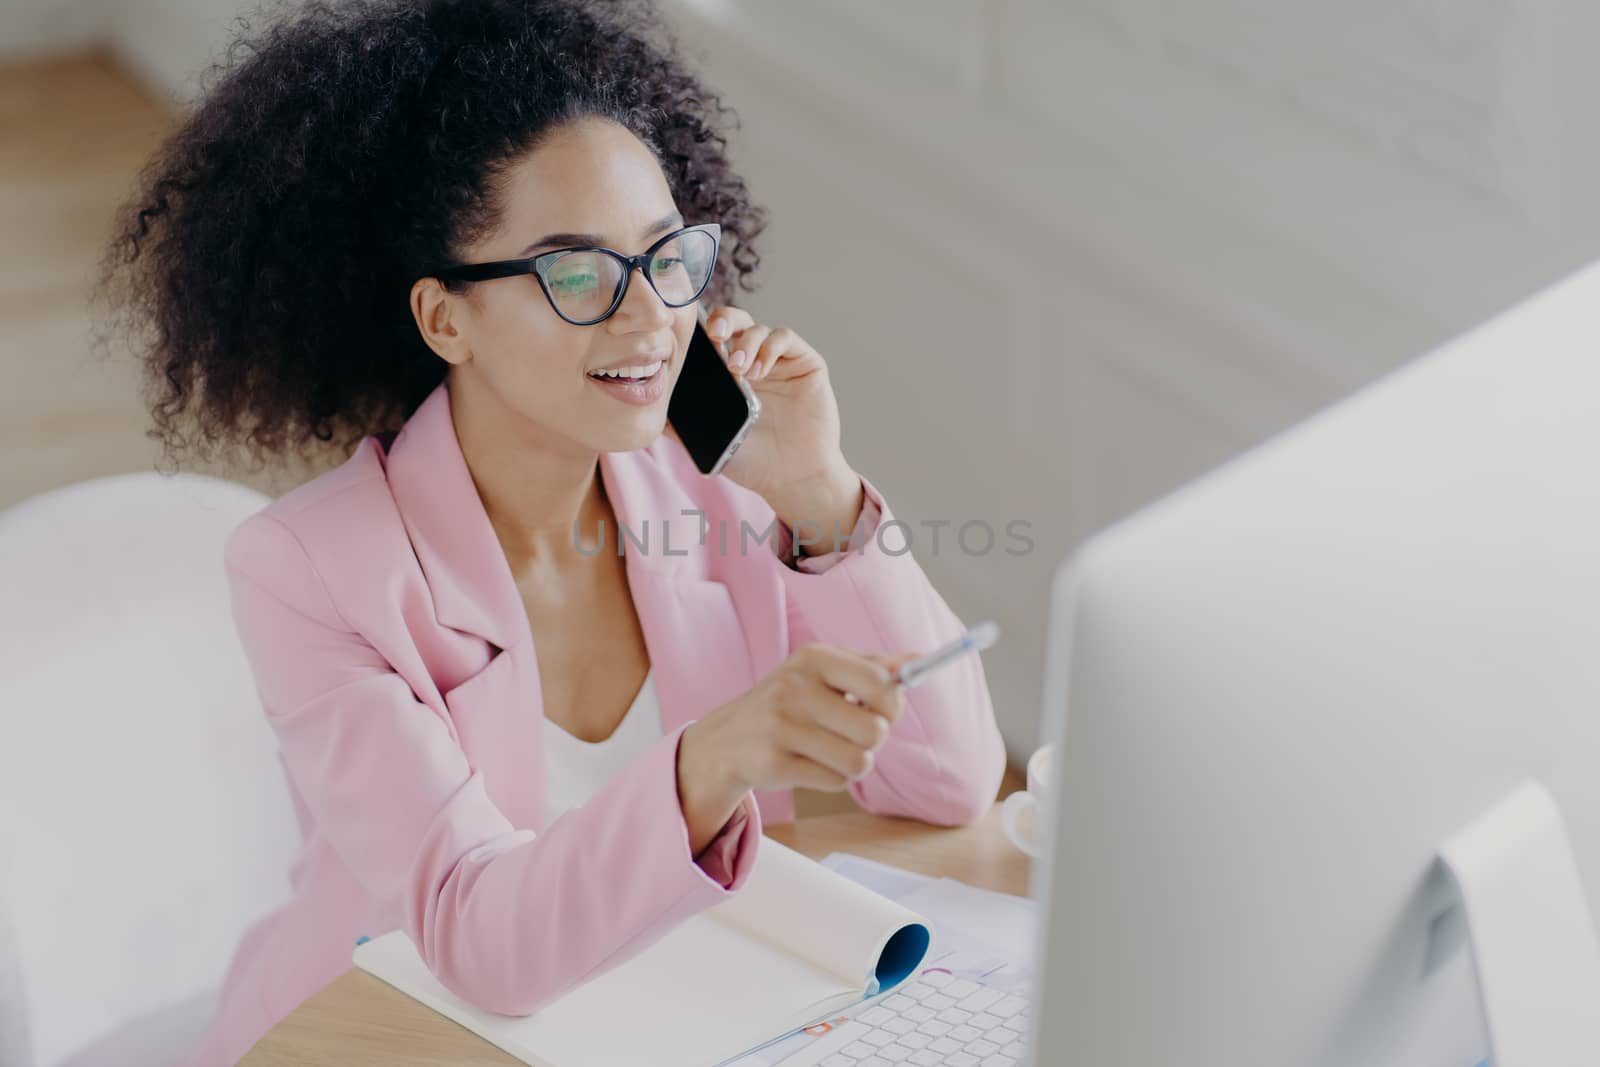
pixel 1533 941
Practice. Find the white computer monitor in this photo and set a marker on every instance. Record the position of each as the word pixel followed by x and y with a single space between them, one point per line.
pixel 1279 692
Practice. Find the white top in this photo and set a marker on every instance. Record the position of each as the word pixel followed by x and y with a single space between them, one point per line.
pixel 576 769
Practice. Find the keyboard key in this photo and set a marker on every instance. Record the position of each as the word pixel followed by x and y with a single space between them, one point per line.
pixel 895 1053
pixel 876 1015
pixel 874 1061
pixel 878 1038
pixel 999 1059
pixel 955 1016
pixel 963 1034
pixel 983 1021
pixel 915 1040
pixel 938 979
pixel 944 1046
pixel 916 989
pixel 939 1002
pixel 918 1014
pixel 961 987
pixel 1008 1006
pixel 962 1059
pixel 898 1002
pixel 924 1058
pixel 979 999
pixel 1003 1035
pixel 1014 1049
pixel 856 1050
pixel 983 1048
pixel 838 1059
pixel 934 1028
pixel 899 1025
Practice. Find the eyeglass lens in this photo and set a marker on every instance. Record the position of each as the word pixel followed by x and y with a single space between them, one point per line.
pixel 583 284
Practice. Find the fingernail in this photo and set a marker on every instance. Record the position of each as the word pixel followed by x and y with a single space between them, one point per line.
pixel 738 357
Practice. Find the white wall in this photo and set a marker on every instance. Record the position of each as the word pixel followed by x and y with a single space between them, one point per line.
pixel 31 27
pixel 168 43
pixel 1064 256
pixel 1136 236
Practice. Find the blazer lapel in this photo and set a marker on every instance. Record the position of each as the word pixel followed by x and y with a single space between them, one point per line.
pixel 497 709
pixel 713 622
pixel 691 627
pixel 468 576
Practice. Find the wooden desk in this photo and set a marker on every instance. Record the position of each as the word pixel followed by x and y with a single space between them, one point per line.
pixel 359 1021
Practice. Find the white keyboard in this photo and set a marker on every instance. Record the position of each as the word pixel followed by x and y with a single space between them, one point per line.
pixel 933 1020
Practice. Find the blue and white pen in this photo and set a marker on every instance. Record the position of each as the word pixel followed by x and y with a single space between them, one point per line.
pixel 980 637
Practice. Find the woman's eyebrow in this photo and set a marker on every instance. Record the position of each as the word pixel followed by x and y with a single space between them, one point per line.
pixel 661 225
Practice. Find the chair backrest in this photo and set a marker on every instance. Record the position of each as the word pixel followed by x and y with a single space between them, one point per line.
pixel 144 819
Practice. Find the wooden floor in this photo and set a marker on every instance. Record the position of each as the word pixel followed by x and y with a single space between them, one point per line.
pixel 74 131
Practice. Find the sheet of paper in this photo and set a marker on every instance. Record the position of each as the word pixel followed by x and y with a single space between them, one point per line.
pixel 986 929
pixel 881 878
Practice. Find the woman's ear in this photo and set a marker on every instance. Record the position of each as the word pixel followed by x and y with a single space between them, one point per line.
pixel 439 315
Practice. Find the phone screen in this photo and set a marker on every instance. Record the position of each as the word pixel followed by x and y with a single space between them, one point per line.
pixel 707 407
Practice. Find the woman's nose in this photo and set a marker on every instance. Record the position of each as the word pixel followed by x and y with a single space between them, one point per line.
pixel 641 300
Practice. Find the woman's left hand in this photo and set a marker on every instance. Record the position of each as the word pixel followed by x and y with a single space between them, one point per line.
pixel 792 456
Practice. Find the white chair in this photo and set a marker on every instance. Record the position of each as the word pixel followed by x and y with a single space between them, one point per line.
pixel 144 819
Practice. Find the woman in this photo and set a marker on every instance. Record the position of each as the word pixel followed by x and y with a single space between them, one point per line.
pixel 533 756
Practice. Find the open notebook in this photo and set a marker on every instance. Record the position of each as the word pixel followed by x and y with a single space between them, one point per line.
pixel 795 945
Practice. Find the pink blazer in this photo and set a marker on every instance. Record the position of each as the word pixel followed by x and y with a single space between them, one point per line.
pixel 393 658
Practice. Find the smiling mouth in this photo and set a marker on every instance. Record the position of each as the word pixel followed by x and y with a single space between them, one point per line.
pixel 643 372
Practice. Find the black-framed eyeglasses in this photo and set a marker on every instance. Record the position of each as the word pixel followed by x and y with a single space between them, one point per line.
pixel 585 285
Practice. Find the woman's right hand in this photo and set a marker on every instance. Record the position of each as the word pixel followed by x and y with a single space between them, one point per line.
pixel 795 727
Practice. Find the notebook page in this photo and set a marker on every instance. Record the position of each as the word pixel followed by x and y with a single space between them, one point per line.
pixel 818 915
pixel 703 993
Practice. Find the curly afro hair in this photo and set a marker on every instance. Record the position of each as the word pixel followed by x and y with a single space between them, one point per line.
pixel 262 271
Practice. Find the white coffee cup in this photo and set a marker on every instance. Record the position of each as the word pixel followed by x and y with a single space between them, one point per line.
pixel 1020 814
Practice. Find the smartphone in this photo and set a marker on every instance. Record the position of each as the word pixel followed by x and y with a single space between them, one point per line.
pixel 711 408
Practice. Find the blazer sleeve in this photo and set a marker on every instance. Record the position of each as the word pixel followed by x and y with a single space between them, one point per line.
pixel 505 918
pixel 866 526
pixel 945 758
